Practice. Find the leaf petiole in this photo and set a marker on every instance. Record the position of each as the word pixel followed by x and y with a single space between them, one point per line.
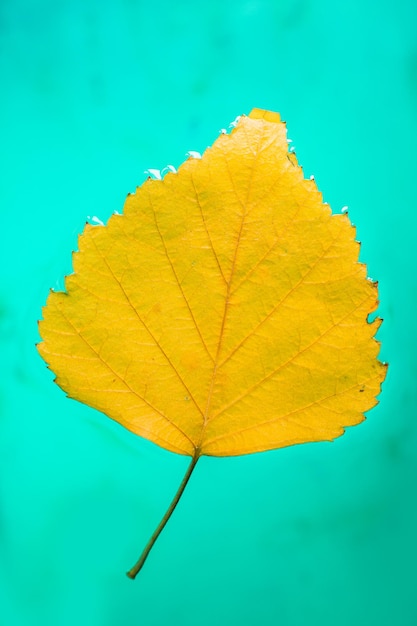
pixel 138 566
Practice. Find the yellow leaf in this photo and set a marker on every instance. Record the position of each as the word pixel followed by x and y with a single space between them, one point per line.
pixel 225 312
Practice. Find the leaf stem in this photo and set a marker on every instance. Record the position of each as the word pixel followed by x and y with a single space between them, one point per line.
pixel 138 566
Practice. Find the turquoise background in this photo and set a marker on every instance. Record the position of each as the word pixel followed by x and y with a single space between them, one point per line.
pixel 92 94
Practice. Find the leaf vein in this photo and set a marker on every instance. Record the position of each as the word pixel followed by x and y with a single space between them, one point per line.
pixel 131 390
pixel 148 330
pixel 287 416
pixel 280 303
pixel 206 229
pixel 177 280
pixel 290 360
pixel 228 285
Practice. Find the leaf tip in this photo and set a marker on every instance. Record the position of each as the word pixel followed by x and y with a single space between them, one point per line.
pixel 262 114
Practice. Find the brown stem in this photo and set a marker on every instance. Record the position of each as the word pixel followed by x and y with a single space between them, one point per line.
pixel 138 566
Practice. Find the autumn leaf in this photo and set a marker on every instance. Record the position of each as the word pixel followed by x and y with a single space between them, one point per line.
pixel 225 312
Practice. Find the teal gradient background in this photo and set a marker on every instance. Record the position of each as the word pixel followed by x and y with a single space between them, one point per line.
pixel 93 93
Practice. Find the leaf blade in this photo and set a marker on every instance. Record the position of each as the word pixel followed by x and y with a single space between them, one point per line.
pixel 225 310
